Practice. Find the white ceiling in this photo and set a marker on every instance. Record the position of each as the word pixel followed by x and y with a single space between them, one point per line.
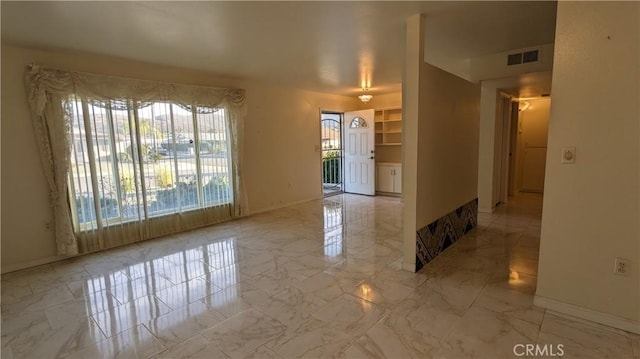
pixel 323 46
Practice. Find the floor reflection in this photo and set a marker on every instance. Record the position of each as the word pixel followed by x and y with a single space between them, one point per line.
pixel 334 228
pixel 313 280
pixel 140 292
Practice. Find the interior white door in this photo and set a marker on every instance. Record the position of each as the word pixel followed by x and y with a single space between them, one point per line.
pixel 359 152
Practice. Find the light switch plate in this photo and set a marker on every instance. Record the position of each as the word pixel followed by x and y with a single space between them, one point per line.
pixel 568 155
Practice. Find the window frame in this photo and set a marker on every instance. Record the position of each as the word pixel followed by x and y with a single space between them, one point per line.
pixel 87 140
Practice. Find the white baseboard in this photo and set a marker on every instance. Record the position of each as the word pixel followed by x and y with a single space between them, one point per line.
pixel 486 210
pixel 588 314
pixel 34 263
pixel 279 206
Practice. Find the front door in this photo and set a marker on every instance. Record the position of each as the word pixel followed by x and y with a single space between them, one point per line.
pixel 358 152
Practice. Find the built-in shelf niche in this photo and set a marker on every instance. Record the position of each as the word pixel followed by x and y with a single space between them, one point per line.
pixel 388 134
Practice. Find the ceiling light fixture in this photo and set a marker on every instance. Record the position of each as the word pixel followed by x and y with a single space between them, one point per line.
pixel 364 97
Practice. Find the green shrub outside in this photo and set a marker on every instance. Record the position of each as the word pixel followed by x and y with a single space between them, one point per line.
pixel 331 166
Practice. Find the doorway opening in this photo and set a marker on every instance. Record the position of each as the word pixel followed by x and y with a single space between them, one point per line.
pixel 531 144
pixel 332 153
pixel 520 147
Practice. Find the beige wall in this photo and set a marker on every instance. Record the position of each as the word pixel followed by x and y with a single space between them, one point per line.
pixel 278 120
pixel 591 208
pixel 442 114
pixel 390 100
pixel 447 174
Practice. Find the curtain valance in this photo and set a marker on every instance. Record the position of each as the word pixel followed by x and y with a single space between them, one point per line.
pixel 42 81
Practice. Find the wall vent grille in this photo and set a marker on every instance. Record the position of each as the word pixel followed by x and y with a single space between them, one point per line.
pixel 523 57
pixel 514 59
pixel 530 56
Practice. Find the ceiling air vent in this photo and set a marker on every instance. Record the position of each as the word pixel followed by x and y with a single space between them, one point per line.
pixel 514 59
pixel 530 56
pixel 522 57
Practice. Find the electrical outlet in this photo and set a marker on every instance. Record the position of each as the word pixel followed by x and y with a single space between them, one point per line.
pixel 621 266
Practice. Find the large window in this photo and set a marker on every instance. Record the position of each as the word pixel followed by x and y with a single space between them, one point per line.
pixel 131 160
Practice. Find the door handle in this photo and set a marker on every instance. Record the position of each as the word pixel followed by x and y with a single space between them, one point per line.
pixel 371 157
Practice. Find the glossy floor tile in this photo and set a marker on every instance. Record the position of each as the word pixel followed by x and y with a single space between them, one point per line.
pixel 322 279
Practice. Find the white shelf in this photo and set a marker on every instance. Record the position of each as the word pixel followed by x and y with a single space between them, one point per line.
pixel 389 144
pixel 388 126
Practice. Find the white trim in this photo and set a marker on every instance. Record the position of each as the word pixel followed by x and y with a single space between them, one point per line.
pixel 273 208
pixel 506 95
pixel 486 210
pixel 588 314
pixel 34 263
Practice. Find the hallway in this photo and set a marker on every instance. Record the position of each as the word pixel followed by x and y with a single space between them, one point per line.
pixel 320 279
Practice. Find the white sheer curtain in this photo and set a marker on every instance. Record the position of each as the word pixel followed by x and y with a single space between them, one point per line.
pixel 77 115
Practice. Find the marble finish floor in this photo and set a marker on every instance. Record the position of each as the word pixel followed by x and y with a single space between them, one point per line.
pixel 321 279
